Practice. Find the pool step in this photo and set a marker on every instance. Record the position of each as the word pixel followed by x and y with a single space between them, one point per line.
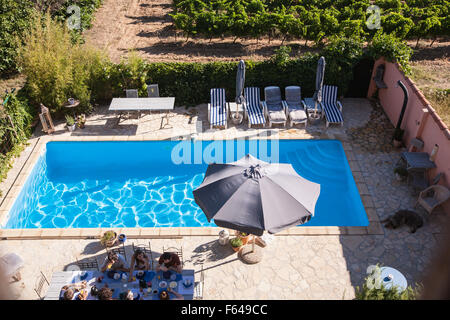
pixel 313 172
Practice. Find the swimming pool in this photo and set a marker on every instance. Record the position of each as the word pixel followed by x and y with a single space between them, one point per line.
pixel 149 183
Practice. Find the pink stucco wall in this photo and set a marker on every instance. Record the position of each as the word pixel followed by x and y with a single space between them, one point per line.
pixel 420 119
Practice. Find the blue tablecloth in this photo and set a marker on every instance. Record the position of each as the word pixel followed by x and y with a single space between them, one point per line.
pixel 120 285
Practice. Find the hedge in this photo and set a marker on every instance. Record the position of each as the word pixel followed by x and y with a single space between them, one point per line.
pixel 190 83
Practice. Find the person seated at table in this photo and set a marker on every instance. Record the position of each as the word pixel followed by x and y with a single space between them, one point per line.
pixel 114 262
pixel 139 261
pixel 126 295
pixel 169 261
pixel 68 291
pixel 82 295
pixel 165 296
pixel 105 293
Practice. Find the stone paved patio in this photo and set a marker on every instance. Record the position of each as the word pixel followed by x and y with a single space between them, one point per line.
pixel 294 267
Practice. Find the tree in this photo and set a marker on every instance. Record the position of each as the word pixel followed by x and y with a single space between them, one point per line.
pixel 14 21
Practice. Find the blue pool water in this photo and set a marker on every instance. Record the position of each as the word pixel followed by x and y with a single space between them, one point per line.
pixel 150 183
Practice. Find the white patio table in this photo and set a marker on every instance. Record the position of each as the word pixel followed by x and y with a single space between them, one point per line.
pixel 62 278
pixel 392 277
pixel 143 104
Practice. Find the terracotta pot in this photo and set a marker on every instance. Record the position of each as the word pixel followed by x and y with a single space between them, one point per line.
pixel 236 249
pixel 244 239
pixel 111 242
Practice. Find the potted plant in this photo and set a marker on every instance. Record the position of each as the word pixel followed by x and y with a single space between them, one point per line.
pixel 70 123
pixel 400 173
pixel 243 236
pixel 398 135
pixel 81 120
pixel 236 243
pixel 109 238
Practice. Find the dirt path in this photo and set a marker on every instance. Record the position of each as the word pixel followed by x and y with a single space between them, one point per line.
pixel 145 26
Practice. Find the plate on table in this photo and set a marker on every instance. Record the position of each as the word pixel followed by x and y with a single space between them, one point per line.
pixel 163 284
pixel 173 284
pixel 173 276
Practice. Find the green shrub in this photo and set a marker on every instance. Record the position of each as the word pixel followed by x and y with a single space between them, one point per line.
pixel 373 289
pixel 13 136
pixel 190 83
pixel 57 69
pixel 15 18
pixel 70 121
pixel 236 242
pixel 14 21
pixel 392 48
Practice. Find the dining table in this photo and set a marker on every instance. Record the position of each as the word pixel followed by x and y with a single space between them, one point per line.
pixel 161 104
pixel 145 285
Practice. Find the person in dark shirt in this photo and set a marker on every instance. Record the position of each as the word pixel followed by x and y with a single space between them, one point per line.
pixel 169 261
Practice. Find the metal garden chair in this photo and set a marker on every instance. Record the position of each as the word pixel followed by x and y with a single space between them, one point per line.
pixel 40 281
pixel 146 250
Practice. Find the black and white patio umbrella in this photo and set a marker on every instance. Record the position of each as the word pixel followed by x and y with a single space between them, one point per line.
pixel 252 196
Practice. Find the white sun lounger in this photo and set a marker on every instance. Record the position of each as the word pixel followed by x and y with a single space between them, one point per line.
pixel 273 106
pixel 294 105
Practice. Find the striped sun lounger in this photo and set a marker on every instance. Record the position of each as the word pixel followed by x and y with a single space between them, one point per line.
pixel 252 106
pixel 217 109
pixel 332 107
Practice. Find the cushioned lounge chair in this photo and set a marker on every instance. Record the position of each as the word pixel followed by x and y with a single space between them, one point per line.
pixel 217 109
pixel 252 107
pixel 295 107
pixel 273 106
pixel 332 107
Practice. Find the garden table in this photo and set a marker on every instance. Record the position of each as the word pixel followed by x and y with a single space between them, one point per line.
pixel 143 104
pixel 62 278
pixel 398 279
pixel 73 106
pixel 418 160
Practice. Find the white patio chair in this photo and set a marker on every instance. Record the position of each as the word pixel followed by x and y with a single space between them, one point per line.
pixel 432 197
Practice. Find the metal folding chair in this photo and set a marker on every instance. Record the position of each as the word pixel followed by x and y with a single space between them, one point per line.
pixel 153 91
pixel 178 251
pixel 199 286
pixel 119 250
pixel 146 250
pixel 40 281
pixel 132 93
pixel 88 263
